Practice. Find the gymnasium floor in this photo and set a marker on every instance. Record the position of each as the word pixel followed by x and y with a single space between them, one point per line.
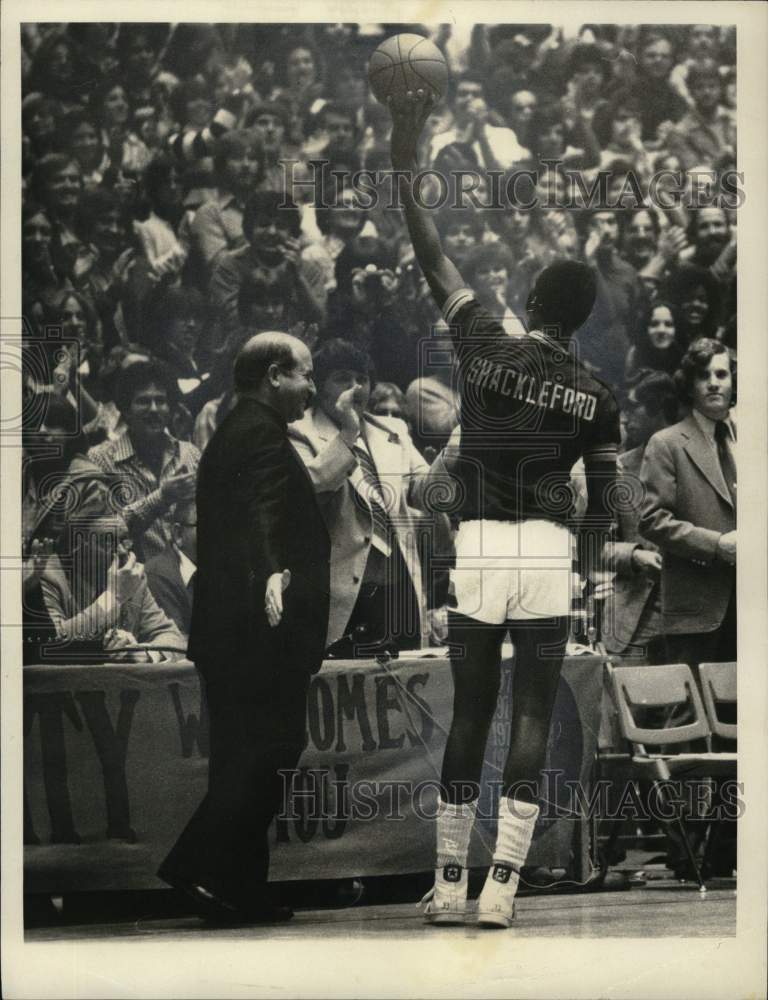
pixel 661 908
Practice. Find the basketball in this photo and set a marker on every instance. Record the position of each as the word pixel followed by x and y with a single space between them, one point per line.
pixel 407 62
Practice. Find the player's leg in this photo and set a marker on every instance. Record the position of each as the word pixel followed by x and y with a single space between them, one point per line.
pixel 539 651
pixel 475 664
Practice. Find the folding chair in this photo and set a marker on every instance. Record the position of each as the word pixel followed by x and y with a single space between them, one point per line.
pixel 718 687
pixel 665 687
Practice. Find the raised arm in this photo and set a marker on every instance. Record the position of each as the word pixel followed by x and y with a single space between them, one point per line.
pixel 408 117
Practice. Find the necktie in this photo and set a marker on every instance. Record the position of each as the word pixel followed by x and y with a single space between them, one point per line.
pixel 382 526
pixel 727 463
pixel 191 585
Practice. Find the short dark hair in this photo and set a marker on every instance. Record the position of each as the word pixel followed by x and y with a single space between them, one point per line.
pixel 487 255
pixel 46 169
pixel 94 204
pixel 657 391
pixel 341 355
pixel 268 205
pixel 236 142
pixel 139 375
pixel 449 218
pixel 254 292
pixel 255 357
pixel 564 294
pixel 695 361
pixel 585 54
pixel 707 69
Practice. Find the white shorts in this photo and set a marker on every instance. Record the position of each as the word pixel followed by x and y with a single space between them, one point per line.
pixel 513 570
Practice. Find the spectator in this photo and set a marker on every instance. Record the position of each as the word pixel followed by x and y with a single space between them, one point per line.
pixel 271 256
pixel 487 271
pixel 39 122
pixel 387 400
pixel 695 297
pixel 658 100
pixel 104 601
pixel 689 473
pixel 270 122
pixel 460 230
pixel 218 225
pixel 522 106
pixel 588 70
pixel 57 184
pixel 83 138
pixel 708 130
pixel 366 472
pixel 658 347
pixel 605 337
pixel 164 253
pixel 338 224
pixel 494 147
pixel 171 573
pixel 151 468
pixel 38 276
pixel 176 322
pixel 60 70
pixel 128 154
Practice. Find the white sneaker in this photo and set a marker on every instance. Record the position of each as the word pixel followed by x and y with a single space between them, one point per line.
pixel 446 901
pixel 496 905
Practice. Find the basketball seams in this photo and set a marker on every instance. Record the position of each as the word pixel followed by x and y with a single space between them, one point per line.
pixel 402 54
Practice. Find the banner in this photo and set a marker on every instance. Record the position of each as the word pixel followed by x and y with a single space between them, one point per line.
pixel 115 762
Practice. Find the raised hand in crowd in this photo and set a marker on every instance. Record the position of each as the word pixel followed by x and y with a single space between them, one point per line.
pixel 125 576
pixel 179 487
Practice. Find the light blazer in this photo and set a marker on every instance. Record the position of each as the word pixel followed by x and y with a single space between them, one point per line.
pixel 687 508
pixel 341 492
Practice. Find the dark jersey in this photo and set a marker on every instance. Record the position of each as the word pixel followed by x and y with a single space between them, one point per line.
pixel 529 411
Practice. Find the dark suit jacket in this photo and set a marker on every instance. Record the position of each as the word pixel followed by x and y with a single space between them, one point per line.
pixel 257 514
pixel 168 588
pixel 687 508
pixel 632 588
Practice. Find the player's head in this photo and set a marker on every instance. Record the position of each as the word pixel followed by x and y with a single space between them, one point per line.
pixel 562 297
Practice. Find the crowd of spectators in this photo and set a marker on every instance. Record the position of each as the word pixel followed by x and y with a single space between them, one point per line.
pixel 171 210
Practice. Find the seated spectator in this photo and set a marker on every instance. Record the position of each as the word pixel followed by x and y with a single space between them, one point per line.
pixel 270 122
pixel 270 257
pixel 659 103
pixel 494 147
pixel 97 596
pixel 709 129
pixel 366 472
pixel 40 123
pixel 82 136
pixel 460 230
pixel 57 185
pixel 521 106
pixel 39 279
pixel 387 400
pixel 102 225
pixel 60 70
pixel 149 468
pixel 176 322
pixel 171 573
pixel 585 93
pixel 618 129
pixel 157 234
pixel 218 225
pixel 701 44
pixel 658 347
pixel 338 224
pixel 128 154
pixel 695 297
pixel 487 271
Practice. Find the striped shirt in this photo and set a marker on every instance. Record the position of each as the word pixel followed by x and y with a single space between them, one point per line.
pixel 138 491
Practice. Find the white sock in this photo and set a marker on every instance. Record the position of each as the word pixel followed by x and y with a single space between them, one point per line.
pixel 517 820
pixel 454 829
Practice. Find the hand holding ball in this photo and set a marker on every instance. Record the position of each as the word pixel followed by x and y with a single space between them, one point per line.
pixel 407 62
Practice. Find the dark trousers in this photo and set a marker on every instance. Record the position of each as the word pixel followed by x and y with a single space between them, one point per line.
pixel 718 646
pixel 257 728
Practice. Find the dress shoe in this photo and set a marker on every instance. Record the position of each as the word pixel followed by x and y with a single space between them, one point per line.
pixel 217 910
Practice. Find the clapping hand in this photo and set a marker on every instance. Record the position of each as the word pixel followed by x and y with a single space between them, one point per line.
pixel 119 638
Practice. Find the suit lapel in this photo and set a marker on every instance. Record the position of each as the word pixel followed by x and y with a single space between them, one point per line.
pixel 704 457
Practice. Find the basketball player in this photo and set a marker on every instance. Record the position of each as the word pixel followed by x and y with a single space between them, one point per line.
pixel 529 410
